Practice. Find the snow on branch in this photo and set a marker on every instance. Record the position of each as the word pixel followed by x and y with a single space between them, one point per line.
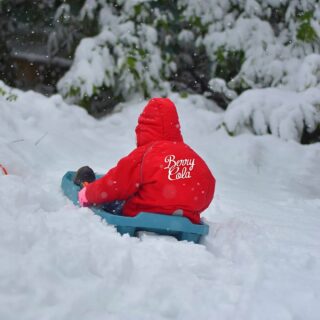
pixel 282 113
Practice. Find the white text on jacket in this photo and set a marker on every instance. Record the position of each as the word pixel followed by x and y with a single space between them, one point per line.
pixel 179 168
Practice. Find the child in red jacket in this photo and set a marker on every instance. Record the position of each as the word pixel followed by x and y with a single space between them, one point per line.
pixel 162 175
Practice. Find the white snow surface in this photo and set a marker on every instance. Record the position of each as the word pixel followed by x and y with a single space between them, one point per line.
pixel 261 259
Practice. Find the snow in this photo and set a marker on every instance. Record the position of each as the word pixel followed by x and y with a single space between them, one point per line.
pixel 260 261
pixel 283 113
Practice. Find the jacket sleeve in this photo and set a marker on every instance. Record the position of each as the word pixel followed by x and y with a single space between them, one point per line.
pixel 119 183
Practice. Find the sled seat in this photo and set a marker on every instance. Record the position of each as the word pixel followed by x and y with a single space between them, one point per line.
pixel 179 227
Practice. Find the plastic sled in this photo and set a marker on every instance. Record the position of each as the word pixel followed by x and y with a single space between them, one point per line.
pixel 179 227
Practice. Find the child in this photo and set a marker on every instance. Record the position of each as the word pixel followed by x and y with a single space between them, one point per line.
pixel 162 175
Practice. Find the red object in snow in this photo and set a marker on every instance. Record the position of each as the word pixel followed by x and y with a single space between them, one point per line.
pixel 3 170
pixel 162 175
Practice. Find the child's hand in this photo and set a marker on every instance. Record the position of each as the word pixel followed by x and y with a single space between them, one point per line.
pixel 83 201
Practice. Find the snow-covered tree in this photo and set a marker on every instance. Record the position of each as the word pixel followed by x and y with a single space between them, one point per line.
pixel 123 59
pixel 195 45
pixel 219 48
pixel 272 42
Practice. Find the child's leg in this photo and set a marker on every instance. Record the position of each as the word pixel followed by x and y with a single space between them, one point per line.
pixel 114 207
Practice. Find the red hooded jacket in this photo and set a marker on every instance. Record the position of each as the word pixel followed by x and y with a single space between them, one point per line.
pixel 162 175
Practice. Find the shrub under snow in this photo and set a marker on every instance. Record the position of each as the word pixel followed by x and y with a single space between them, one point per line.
pixel 283 113
pixel 123 58
pixel 248 43
pixel 219 48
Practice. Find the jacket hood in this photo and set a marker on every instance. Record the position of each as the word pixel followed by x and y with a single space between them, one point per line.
pixel 158 121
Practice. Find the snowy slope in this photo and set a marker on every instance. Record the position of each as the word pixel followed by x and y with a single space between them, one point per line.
pixel 261 259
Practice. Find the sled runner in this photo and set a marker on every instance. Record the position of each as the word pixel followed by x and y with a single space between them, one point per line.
pixel 177 226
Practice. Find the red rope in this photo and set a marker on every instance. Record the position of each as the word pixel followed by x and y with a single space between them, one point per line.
pixel 3 169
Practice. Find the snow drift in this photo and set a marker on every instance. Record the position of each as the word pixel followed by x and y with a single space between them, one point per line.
pixel 261 259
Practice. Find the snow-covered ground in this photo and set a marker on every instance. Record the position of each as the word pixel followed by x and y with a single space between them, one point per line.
pixel 261 260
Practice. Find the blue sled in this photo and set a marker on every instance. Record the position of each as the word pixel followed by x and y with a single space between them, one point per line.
pixel 179 227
